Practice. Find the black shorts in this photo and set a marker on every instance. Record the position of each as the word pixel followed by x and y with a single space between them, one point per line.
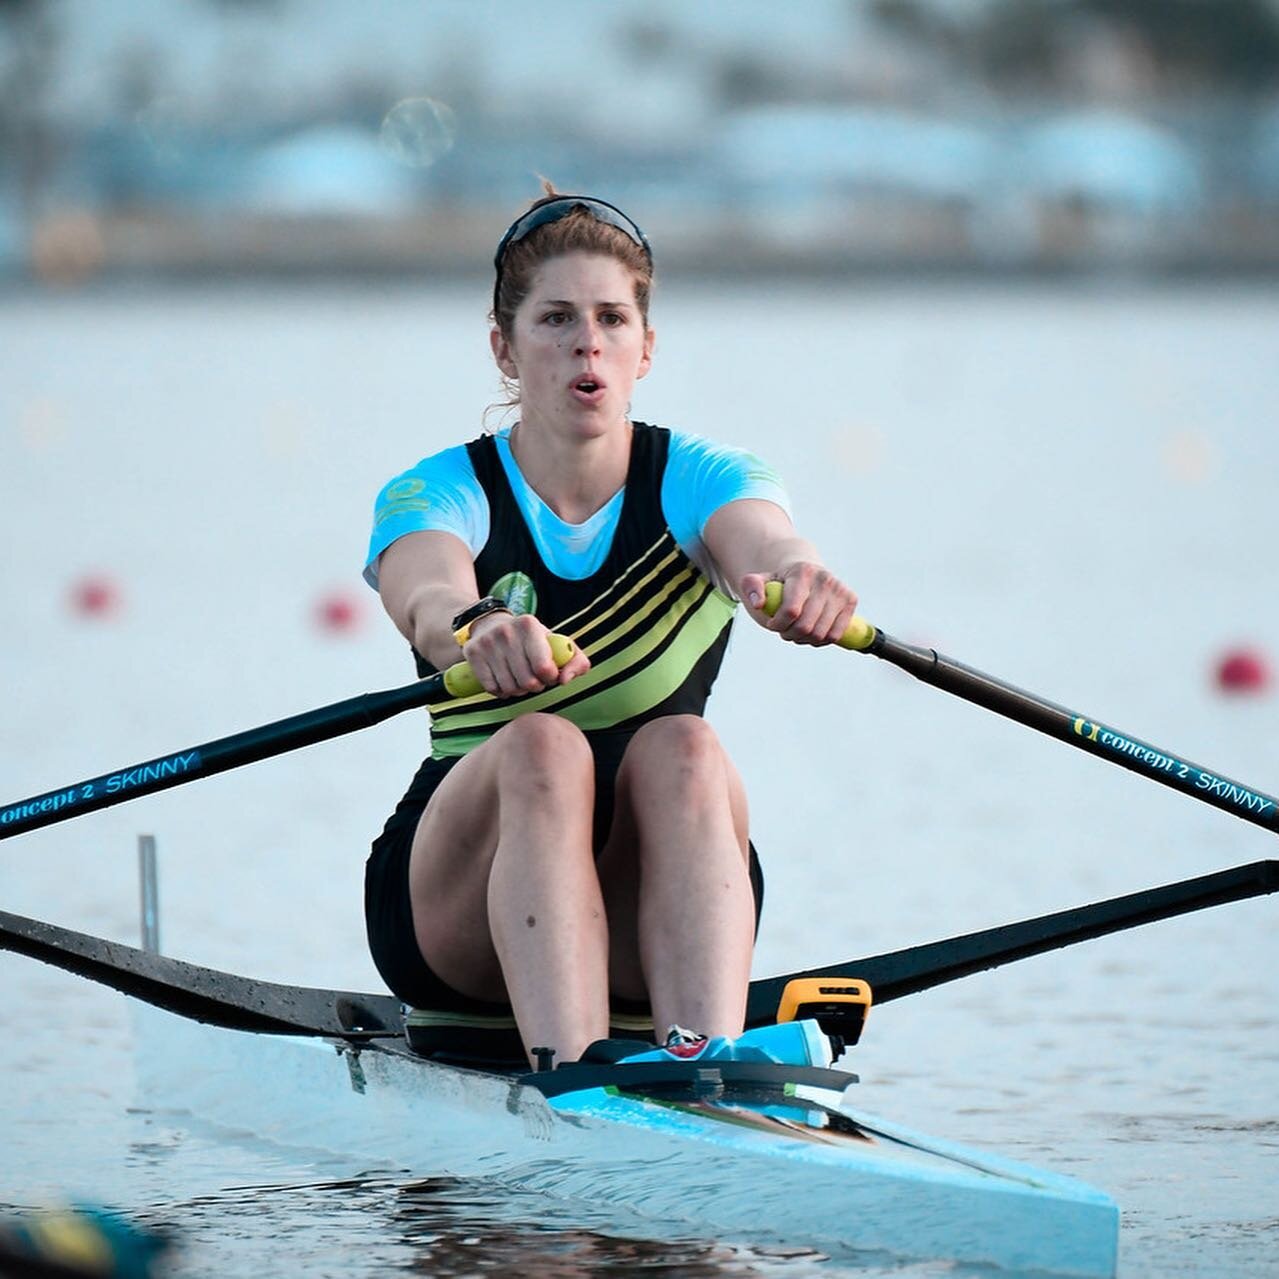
pixel 388 912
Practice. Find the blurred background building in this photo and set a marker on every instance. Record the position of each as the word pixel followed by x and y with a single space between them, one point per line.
pixel 213 137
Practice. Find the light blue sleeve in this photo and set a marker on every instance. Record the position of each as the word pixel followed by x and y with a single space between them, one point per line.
pixel 440 493
pixel 701 476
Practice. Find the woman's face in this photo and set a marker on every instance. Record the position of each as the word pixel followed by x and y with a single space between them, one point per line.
pixel 578 344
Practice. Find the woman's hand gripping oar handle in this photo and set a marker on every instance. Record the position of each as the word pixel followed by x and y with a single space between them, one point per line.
pixel 460 680
pixel 859 636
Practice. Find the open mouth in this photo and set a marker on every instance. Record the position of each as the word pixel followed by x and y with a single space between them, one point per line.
pixel 587 385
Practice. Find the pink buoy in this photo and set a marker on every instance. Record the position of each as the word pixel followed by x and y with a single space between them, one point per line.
pixel 1243 670
pixel 96 597
pixel 338 613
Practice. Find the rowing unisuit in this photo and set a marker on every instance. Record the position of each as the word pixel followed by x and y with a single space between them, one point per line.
pixel 634 586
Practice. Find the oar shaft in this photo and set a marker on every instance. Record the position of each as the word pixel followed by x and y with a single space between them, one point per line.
pixel 214 757
pixel 906 972
pixel 204 994
pixel 245 748
pixel 1080 731
pixel 223 999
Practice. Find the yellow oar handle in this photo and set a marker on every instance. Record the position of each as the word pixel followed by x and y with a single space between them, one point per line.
pixel 460 679
pixel 859 636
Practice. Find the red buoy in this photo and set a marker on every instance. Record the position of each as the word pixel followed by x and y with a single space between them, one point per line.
pixel 95 596
pixel 1243 670
pixel 338 612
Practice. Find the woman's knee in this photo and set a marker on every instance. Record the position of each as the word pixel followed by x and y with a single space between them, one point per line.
pixel 544 754
pixel 676 768
pixel 685 745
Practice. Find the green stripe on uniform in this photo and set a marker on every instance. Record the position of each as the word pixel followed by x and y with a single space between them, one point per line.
pixel 648 676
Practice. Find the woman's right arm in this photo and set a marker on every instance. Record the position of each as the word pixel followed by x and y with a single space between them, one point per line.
pixel 426 579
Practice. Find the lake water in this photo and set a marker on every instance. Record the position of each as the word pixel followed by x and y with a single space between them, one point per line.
pixel 1073 489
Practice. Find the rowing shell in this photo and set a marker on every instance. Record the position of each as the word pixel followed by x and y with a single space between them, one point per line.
pixel 719 1149
pixel 735 1150
pixel 718 1152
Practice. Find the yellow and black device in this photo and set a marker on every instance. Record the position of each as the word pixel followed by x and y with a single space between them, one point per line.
pixel 839 1005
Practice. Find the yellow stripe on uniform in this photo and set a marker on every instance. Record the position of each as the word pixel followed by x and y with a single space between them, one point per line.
pixel 699 616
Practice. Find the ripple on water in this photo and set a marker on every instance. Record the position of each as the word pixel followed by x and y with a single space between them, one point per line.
pixel 372 1225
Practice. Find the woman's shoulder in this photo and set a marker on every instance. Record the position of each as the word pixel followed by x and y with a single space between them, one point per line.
pixel 450 465
pixel 441 493
pixel 684 443
pixel 690 450
pixel 704 474
pixel 455 455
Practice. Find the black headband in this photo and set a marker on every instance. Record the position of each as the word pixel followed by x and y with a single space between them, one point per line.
pixel 552 209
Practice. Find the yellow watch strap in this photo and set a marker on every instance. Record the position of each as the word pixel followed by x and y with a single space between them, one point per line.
pixel 463 632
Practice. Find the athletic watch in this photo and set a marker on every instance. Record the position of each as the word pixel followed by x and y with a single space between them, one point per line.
pixel 467 618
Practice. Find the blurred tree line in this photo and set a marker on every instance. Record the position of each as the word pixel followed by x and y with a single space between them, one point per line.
pixel 1018 46
pixel 1200 77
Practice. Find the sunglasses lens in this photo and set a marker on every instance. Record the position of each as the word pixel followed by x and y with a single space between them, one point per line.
pixel 561 206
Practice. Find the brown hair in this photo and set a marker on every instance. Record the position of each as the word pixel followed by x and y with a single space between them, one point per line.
pixel 576 232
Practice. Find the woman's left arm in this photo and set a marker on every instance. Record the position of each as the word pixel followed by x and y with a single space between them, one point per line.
pixel 753 542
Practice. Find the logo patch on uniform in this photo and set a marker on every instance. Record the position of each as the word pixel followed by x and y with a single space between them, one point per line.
pixel 516 591
pixel 401 498
pixel 401 489
pixel 760 471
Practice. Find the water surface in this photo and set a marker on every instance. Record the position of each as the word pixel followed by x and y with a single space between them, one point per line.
pixel 1073 490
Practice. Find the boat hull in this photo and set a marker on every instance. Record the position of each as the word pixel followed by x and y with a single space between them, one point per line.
pixel 813 1170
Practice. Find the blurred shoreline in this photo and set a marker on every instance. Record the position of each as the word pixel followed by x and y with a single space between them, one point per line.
pixel 857 138
pixel 75 249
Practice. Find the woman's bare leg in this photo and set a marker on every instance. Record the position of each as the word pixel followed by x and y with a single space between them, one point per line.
pixel 677 884
pixel 506 898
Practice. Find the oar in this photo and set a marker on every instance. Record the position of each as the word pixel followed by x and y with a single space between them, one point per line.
pixel 905 972
pixel 240 1003
pixel 244 748
pixel 202 994
pixel 1081 731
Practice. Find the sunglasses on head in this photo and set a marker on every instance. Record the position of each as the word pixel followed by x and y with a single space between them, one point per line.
pixel 552 209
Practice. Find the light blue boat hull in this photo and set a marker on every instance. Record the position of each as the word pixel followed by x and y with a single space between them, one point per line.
pixel 814 1172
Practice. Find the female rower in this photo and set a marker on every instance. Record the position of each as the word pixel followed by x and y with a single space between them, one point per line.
pixel 579 832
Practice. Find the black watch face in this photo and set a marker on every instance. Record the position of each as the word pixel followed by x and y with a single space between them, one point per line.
pixel 487 605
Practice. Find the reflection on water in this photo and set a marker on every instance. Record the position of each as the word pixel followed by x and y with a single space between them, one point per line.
pixel 372 1225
